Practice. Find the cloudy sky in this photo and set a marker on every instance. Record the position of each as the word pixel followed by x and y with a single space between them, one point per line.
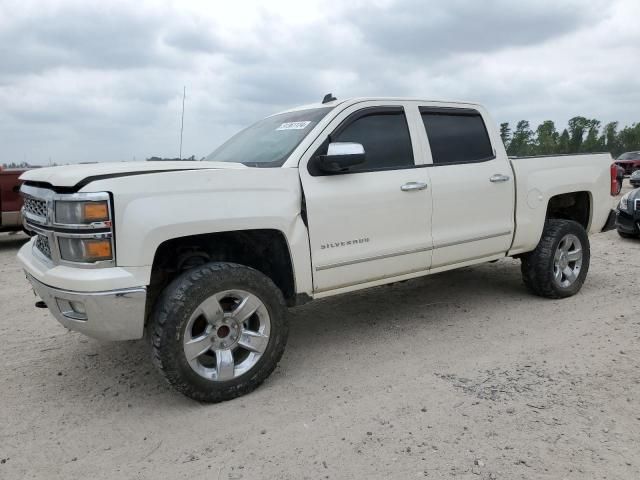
pixel 102 80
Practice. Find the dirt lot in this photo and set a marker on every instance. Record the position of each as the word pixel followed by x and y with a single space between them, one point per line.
pixel 462 374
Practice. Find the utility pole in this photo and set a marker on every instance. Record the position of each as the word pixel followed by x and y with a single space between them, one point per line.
pixel 184 94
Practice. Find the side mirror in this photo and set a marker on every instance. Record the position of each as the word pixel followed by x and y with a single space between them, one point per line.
pixel 341 156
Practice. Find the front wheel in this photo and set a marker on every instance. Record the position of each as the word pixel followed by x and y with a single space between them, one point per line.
pixel 218 331
pixel 558 266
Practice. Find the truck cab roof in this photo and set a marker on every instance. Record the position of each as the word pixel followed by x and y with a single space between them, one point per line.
pixel 353 100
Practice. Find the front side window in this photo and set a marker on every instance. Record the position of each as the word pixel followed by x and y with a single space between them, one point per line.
pixel 269 142
pixel 456 137
pixel 384 136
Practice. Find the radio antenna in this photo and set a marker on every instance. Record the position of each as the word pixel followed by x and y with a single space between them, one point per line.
pixel 184 94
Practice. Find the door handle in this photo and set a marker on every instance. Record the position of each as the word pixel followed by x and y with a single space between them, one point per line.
pixel 498 177
pixel 411 186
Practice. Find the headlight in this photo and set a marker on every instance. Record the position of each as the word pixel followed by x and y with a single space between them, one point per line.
pixel 87 221
pixel 82 212
pixel 85 250
pixel 75 229
pixel 624 201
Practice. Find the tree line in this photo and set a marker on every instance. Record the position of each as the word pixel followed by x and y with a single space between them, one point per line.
pixel 582 135
pixel 167 159
pixel 18 165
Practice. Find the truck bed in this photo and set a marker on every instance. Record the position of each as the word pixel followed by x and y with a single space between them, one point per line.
pixel 540 178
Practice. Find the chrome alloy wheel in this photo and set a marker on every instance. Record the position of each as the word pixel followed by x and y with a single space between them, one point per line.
pixel 226 335
pixel 567 261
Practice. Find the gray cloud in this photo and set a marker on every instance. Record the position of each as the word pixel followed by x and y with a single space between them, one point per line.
pixel 428 29
pixel 86 37
pixel 193 39
pixel 105 80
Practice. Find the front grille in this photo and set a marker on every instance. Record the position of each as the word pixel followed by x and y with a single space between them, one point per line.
pixel 35 206
pixel 42 244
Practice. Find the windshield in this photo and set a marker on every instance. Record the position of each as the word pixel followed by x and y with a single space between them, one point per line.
pixel 269 142
pixel 629 156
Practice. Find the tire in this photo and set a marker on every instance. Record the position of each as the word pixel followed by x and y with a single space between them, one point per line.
pixel 539 267
pixel 200 306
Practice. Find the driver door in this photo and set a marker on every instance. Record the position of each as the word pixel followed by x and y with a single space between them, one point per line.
pixel 371 223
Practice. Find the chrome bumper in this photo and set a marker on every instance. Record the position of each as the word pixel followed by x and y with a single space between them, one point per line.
pixel 110 315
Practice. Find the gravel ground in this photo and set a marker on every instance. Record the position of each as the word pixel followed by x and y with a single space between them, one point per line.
pixel 456 375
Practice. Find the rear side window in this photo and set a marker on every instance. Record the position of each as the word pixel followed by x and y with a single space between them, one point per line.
pixel 456 136
pixel 384 136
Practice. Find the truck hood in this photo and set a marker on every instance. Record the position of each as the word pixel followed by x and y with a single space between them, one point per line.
pixel 82 174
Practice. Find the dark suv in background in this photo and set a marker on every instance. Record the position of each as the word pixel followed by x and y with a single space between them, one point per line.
pixel 630 161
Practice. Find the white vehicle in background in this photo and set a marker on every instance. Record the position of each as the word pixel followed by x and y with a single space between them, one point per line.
pixel 205 257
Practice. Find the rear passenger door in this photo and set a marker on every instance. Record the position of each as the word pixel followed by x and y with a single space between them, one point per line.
pixel 372 222
pixel 472 187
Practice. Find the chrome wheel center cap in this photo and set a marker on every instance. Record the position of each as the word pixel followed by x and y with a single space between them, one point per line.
pixel 564 261
pixel 225 335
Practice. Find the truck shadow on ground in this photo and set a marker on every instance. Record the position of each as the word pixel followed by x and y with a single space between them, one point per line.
pixel 336 323
pixel 411 301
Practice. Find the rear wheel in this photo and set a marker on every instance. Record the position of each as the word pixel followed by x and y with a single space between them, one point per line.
pixel 558 266
pixel 218 331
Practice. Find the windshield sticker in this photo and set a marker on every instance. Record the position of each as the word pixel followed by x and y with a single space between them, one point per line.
pixel 293 126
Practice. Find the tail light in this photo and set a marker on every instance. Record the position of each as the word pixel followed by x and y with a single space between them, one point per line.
pixel 614 179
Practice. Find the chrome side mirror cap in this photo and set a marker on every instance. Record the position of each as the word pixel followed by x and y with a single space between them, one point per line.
pixel 341 156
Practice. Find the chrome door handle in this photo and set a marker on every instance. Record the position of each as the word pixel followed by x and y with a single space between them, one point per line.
pixel 498 177
pixel 411 186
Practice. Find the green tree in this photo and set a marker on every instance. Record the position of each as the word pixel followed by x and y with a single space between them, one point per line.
pixel 629 138
pixel 577 127
pixel 610 138
pixel 581 135
pixel 522 143
pixel 546 138
pixel 163 159
pixel 563 142
pixel 592 142
pixel 505 134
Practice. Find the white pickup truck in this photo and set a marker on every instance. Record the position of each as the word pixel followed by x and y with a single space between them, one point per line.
pixel 205 257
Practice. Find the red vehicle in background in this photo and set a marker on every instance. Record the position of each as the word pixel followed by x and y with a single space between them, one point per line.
pixel 10 199
pixel 630 161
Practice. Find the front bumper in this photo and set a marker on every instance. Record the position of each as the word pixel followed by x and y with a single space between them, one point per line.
pixel 627 223
pixel 108 315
